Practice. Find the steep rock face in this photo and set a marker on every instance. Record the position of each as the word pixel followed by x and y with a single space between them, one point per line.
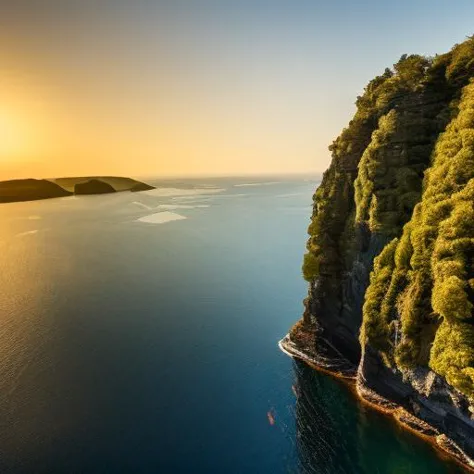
pixel 390 259
pixel 369 191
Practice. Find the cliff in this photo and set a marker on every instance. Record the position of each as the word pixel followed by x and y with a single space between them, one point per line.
pixel 390 260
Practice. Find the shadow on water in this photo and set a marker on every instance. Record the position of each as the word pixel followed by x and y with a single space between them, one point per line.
pixel 337 434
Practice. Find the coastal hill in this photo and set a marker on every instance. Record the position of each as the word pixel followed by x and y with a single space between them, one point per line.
pixel 36 189
pixel 93 186
pixel 30 190
pixel 117 183
pixel 390 260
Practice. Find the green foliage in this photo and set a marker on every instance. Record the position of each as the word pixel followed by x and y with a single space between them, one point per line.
pixel 452 355
pixel 385 189
pixel 388 184
pixel 375 328
pixel 461 63
pixel 371 166
pixel 332 203
pixel 412 69
pixel 450 298
pixel 435 257
pixel 311 266
pixel 400 171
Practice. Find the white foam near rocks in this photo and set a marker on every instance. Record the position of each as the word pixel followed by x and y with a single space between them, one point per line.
pixel 161 218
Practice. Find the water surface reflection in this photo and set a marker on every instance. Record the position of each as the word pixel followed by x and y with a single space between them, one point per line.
pixel 338 434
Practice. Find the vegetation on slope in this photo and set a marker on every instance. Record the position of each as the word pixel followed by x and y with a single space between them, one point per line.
pixel 428 277
pixel 380 159
pixel 333 201
pixel 401 176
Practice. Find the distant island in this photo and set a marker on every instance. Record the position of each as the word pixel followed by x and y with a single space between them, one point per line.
pixel 18 190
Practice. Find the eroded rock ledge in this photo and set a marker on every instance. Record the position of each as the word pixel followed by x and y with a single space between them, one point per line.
pixel 421 402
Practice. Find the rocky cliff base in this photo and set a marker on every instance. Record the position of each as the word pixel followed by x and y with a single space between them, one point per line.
pixel 421 403
pixel 306 342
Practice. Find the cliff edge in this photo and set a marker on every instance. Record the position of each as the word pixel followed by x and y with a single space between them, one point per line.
pixel 390 260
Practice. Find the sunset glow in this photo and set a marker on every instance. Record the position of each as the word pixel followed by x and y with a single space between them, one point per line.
pixel 13 138
pixel 158 88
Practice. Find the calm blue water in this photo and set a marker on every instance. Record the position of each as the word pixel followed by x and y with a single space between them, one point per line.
pixel 129 347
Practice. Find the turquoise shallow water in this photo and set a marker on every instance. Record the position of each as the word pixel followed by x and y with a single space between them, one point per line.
pixel 128 346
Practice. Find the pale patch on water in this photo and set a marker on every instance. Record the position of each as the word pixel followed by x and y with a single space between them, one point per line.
pixel 289 195
pixel 208 186
pixel 28 218
pixel 172 207
pixel 142 205
pixel 191 199
pixel 169 192
pixel 161 218
pixel 232 196
pixel 28 232
pixel 267 183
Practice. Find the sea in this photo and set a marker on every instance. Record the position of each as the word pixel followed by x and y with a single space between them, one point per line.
pixel 139 334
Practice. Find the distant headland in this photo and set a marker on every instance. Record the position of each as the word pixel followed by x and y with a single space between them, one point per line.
pixel 18 190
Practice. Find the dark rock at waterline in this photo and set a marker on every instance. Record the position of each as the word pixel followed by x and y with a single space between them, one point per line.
pixel 421 392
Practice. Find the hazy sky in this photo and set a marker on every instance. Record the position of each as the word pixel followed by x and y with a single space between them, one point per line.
pixel 150 87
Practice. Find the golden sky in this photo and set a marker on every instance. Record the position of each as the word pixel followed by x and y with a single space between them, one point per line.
pixel 184 88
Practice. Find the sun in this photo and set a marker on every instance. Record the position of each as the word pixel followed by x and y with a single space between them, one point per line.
pixel 13 138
